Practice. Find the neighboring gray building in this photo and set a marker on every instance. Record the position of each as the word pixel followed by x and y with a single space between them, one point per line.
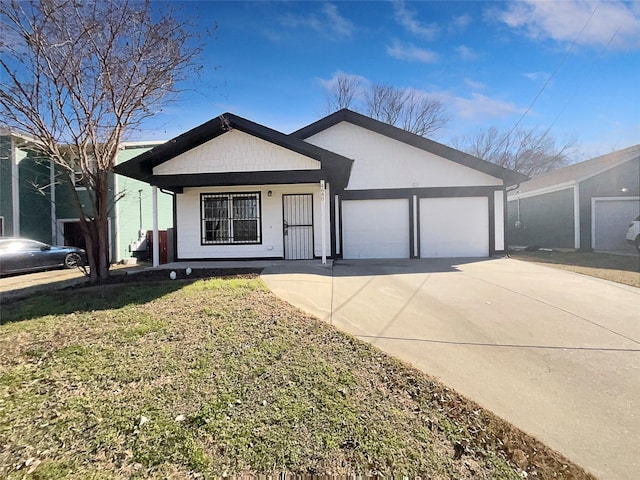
pixel 585 206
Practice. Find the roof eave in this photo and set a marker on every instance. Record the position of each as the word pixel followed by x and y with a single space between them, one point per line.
pixel 335 167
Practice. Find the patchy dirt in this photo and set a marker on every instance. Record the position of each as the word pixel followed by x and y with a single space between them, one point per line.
pixel 623 269
pixel 163 275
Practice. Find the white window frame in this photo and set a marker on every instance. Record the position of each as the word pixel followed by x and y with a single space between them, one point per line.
pixel 77 174
pixel 226 225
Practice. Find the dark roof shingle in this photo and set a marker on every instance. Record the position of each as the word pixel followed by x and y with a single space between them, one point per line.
pixel 582 170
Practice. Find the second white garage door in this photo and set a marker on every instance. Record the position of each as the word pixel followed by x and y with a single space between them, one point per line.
pixel 375 228
pixel 610 218
pixel 454 227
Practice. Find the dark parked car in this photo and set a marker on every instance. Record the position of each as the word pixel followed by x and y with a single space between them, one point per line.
pixel 18 255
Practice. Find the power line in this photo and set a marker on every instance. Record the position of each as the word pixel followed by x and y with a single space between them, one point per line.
pixel 564 58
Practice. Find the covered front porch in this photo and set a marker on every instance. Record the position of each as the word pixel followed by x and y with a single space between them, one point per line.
pixel 274 221
pixel 243 191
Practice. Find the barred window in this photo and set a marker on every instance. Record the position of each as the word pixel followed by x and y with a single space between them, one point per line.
pixel 230 218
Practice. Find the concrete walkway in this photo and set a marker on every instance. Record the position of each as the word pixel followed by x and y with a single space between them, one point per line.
pixel 553 352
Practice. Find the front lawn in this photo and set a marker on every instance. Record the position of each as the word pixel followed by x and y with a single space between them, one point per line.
pixel 617 268
pixel 219 377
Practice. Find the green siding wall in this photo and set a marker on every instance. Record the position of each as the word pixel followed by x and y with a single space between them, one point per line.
pixel 129 205
pixel 6 202
pixel 35 200
pixel 33 192
pixel 545 220
pixel 35 197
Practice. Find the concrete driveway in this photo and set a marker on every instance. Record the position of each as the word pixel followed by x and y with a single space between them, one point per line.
pixel 553 352
pixel 23 285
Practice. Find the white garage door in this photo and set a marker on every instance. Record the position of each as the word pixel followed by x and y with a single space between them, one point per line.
pixel 454 227
pixel 375 228
pixel 610 221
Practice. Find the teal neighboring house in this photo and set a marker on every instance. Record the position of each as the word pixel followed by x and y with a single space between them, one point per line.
pixel 36 200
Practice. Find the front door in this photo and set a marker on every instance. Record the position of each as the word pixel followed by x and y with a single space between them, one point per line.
pixel 298 226
pixel 73 235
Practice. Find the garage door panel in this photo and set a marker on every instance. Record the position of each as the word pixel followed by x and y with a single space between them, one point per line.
pixel 454 227
pixel 611 218
pixel 375 228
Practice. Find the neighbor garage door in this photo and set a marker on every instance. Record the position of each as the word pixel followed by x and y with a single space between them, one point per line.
pixel 375 228
pixel 454 227
pixel 610 220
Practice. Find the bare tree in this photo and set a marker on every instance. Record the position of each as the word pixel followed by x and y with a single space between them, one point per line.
pixel 405 108
pixel 528 151
pixel 74 75
pixel 343 92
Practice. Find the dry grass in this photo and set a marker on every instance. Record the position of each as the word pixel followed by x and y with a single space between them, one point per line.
pixel 617 268
pixel 219 377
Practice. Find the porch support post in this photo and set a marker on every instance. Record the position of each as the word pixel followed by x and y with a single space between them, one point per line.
pixel 576 217
pixel 52 195
pixel 323 220
pixel 15 191
pixel 156 247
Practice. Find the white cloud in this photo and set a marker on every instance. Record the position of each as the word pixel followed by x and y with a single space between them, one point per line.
pixel 340 25
pixel 407 19
pixel 480 108
pixel 327 21
pixel 466 53
pixel 460 24
pixel 330 83
pixel 474 85
pixel 411 53
pixel 612 23
pixel 537 76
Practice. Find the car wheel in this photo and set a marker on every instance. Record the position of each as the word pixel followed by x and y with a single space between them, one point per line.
pixel 72 260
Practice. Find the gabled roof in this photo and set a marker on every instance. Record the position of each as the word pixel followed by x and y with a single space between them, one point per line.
pixel 581 171
pixel 335 167
pixel 510 177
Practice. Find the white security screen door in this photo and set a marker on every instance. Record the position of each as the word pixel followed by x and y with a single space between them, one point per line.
pixel 298 226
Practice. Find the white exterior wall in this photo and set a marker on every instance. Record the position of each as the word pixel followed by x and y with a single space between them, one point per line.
pixel 188 219
pixel 499 220
pixel 236 151
pixel 381 162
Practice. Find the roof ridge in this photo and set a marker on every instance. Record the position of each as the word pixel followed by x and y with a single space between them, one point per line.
pixel 618 155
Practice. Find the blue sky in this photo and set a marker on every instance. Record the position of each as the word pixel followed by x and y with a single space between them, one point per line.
pixel 486 61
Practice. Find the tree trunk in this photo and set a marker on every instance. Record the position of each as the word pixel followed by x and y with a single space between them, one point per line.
pixel 101 226
pixel 95 228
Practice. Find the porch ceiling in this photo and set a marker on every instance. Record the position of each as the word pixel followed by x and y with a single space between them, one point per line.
pixel 177 183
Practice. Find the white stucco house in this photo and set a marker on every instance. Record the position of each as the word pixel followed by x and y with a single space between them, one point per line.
pixel 346 186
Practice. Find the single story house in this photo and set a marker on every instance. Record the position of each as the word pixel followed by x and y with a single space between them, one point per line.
pixel 585 206
pixel 345 186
